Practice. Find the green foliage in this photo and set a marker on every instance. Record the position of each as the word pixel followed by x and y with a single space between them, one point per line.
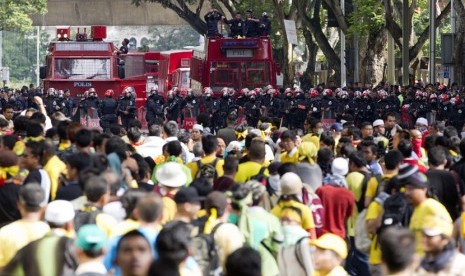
pixel 14 14
pixel 170 38
pixel 19 54
pixel 367 15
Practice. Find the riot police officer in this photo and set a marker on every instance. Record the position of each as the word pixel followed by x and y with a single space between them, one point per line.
pixel 107 111
pixel 252 109
pixel 49 99
pixel 91 104
pixel 127 107
pixel 172 108
pixel 154 106
pixel 59 102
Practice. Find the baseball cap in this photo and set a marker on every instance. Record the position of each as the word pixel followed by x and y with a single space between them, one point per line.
pixel 435 225
pixel 291 184
pixel 378 122
pixel 59 212
pixel 336 127
pixel 90 238
pixel 340 166
pixel 171 174
pixel 187 194
pixel 331 242
pixel 416 180
pixel 216 200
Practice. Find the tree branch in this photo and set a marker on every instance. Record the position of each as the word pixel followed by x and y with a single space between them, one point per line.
pixel 415 49
pixel 199 8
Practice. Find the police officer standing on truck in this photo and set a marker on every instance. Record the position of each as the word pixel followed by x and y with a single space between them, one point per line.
pixel 107 111
pixel 127 107
pixel 252 24
pixel 236 25
pixel 212 18
pixel 265 25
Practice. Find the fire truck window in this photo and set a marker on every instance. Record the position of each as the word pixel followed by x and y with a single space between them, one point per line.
pixel 257 73
pixel 223 77
pixel 133 66
pixel 85 68
pixel 185 79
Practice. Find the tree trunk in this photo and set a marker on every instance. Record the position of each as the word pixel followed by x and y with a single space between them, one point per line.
pixel 372 64
pixel 306 81
pixel 287 68
pixel 459 44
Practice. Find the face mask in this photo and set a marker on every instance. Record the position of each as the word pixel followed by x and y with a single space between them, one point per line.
pixel 320 131
pixel 275 182
pixel 233 218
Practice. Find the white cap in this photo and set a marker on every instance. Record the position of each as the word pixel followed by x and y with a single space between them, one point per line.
pixel 378 122
pixel 59 212
pixel 340 166
pixel 171 174
pixel 422 121
pixel 198 127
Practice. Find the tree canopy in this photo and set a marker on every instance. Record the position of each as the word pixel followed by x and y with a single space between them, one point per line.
pixel 14 14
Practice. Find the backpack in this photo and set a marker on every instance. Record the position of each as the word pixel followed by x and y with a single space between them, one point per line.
pixel 260 176
pixel 296 259
pixel 367 176
pixel 86 215
pixel 362 238
pixel 205 252
pixel 207 171
pixel 397 212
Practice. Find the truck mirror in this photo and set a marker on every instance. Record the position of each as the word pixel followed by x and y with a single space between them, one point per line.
pixel 43 72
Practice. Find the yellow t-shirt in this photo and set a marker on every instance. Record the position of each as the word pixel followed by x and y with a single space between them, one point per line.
pixel 248 169
pixel 354 183
pixel 125 227
pixel 207 159
pixel 54 168
pixel 374 210
pixel 18 234
pixel 169 209
pixel 337 271
pixel 106 223
pixel 429 207
pixel 290 157
pixel 372 185
pixel 307 217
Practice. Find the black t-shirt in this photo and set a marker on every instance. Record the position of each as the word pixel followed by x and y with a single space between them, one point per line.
pixel 445 188
pixel 34 176
pixel 69 192
pixel 123 49
pixel 8 203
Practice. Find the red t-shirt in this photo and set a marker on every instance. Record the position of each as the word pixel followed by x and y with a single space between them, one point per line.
pixel 413 162
pixel 339 205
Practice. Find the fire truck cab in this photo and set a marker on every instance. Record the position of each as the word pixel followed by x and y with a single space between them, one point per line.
pixel 174 70
pixel 83 63
pixel 236 63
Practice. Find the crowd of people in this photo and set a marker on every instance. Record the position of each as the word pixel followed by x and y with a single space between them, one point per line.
pixel 257 187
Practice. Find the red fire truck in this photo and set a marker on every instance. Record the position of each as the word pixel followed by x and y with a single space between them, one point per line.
pixel 237 63
pixel 91 62
pixel 174 70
